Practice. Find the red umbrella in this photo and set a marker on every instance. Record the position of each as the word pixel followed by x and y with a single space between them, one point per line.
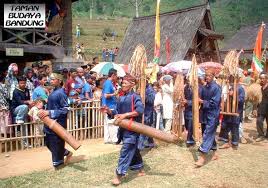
pixel 216 67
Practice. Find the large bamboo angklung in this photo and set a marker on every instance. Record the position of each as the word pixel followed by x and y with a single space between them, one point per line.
pixel 61 132
pixel 195 101
pixel 178 97
pixel 146 130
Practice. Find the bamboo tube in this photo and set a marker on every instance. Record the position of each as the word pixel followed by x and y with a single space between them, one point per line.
pixel 227 98
pixel 146 130
pixel 234 96
pixel 61 132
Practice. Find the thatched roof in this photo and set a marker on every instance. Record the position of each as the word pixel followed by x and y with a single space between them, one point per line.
pixel 245 38
pixel 179 26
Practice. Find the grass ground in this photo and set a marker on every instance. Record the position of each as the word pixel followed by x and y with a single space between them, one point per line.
pixel 166 166
pixel 92 31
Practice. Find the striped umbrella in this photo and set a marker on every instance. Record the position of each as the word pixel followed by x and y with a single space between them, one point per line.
pixel 104 67
pixel 216 67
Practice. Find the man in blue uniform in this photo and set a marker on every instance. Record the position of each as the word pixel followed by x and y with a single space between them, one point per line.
pixel 57 108
pixel 145 141
pixel 129 106
pixel 210 100
pixel 231 123
pixel 188 114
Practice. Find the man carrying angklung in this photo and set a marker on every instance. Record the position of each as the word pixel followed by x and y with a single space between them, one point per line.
pixel 210 101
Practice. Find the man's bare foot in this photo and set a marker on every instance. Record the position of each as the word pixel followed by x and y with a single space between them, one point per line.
pixel 225 146
pixel 201 161
pixel 68 157
pixel 117 180
pixel 141 173
pixel 215 156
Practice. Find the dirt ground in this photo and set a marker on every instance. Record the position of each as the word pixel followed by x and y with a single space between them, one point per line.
pixel 166 166
pixel 28 161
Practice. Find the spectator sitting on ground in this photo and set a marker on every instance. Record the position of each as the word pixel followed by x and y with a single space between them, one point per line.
pixel 20 101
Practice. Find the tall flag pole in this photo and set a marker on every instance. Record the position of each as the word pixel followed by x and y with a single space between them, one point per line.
pixel 256 65
pixel 157 34
pixel 154 65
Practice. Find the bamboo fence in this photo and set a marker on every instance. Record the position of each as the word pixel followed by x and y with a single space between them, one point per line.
pixel 84 121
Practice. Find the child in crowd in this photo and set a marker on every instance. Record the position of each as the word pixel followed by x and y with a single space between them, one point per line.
pixel 33 113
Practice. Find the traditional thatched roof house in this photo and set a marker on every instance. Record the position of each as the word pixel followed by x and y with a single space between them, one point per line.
pixel 245 39
pixel 189 30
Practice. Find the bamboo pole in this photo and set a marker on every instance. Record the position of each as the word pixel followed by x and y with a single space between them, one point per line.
pixel 61 132
pixel 234 96
pixel 195 100
pixel 146 130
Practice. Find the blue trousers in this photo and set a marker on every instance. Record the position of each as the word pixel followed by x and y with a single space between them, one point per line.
pixel 145 142
pixel 209 142
pixel 56 146
pixel 224 132
pixel 189 128
pixel 130 158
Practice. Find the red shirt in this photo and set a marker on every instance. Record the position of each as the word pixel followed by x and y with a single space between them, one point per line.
pixel 69 85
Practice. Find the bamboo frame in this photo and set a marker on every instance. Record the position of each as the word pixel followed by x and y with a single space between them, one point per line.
pixel 178 98
pixel 83 122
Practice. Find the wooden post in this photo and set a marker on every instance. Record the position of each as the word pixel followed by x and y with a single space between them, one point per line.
pixel 67 27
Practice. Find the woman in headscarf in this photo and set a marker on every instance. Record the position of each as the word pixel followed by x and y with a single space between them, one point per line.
pixel 4 105
pixel 11 80
pixel 129 106
pixel 167 102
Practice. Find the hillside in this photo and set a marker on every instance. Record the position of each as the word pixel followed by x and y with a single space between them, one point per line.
pixel 114 15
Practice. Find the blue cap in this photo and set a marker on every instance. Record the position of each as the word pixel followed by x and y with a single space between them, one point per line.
pixel 78 86
pixel 73 93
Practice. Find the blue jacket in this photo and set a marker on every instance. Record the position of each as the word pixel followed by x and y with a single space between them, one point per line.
pixel 188 94
pixel 241 100
pixel 211 96
pixel 57 106
pixel 19 97
pixel 124 105
pixel 149 105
